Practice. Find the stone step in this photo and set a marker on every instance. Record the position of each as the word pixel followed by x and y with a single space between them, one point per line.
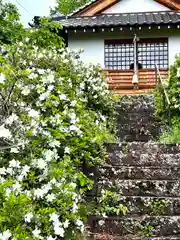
pixel 151 205
pixel 138 127
pixel 135 117
pixel 157 188
pixel 135 103
pixel 145 205
pixel 136 135
pixel 129 137
pixel 139 172
pixel 129 237
pixel 143 154
pixel 143 226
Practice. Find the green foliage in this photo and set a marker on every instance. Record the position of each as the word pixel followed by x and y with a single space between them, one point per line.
pixel 162 109
pixel 125 147
pixel 10 27
pixel 109 204
pixel 157 207
pixel 67 6
pixel 46 35
pixel 172 136
pixel 56 116
pixel 146 230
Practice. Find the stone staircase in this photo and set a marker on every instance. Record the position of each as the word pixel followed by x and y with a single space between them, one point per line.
pixel 144 173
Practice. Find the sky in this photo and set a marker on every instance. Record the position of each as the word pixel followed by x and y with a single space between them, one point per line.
pixel 30 8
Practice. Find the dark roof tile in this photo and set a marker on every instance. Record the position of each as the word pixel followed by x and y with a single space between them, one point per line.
pixel 122 19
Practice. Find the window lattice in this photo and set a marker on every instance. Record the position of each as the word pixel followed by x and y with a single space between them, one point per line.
pixel 120 55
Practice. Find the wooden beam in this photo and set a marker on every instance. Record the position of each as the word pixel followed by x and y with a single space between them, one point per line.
pixel 95 8
pixel 99 6
pixel 172 4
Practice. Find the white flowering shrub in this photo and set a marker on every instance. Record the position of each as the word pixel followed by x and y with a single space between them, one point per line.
pixel 56 115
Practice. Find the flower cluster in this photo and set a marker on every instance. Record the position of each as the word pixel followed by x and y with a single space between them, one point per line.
pixel 56 115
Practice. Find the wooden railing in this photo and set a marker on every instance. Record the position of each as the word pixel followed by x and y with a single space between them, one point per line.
pixel 122 79
pixel 163 93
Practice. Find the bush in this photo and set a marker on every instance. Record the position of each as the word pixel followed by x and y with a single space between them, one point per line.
pixel 172 135
pixel 56 115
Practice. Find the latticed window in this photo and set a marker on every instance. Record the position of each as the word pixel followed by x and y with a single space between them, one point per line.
pixel 119 54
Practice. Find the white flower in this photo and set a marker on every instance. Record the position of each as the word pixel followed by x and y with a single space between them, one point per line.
pixel 20 178
pixel 66 224
pixel 5 235
pixel 39 193
pixel 33 75
pixel 4 132
pixel 73 103
pixel 75 207
pixel 50 197
pixel 36 233
pixel 49 79
pixel 104 215
pixel 73 128
pixel 28 217
pixel 25 169
pixel 176 106
pixel 43 96
pixel 63 97
pixel 73 118
pixel 41 164
pixel 25 91
pixel 33 113
pixel 82 86
pixel 65 61
pixel 16 187
pixel 27 39
pixel 20 44
pixel 73 185
pixel 11 119
pixel 54 143
pixel 54 217
pixel 97 122
pixel 53 181
pixel 41 71
pixel 9 170
pixel 101 222
pixel 2 78
pixel 67 150
pixel 49 155
pixel 8 191
pixel 14 150
pixel 14 164
pixel 2 171
pixel 51 238
pixel 80 224
pixel 59 231
pixel 50 87
pixel 40 56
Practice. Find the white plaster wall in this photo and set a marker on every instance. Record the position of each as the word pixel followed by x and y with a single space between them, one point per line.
pixel 93 49
pixel 125 6
pixel 93 44
pixel 174 48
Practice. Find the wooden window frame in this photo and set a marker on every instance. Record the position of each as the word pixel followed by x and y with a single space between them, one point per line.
pixel 123 62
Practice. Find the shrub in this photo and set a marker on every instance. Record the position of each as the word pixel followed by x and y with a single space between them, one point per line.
pixel 172 135
pixel 56 115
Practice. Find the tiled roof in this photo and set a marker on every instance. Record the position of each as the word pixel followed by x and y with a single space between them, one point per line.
pixel 122 19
